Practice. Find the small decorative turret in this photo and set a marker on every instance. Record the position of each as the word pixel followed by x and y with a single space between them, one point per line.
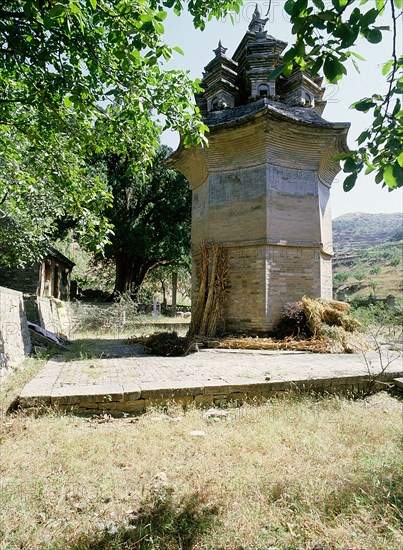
pixel 219 83
pixel 257 24
pixel 220 50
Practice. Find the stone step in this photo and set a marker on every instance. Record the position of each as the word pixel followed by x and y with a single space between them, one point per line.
pixel 398 382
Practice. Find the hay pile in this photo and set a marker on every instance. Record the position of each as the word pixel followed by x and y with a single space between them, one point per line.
pixel 330 320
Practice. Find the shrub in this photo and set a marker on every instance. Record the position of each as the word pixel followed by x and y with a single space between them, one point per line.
pixel 293 322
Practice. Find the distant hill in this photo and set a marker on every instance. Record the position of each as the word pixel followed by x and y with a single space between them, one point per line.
pixel 368 254
pixel 360 230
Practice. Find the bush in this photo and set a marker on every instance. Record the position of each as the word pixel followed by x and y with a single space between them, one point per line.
pixel 378 314
pixel 293 322
pixel 360 275
pixel 341 277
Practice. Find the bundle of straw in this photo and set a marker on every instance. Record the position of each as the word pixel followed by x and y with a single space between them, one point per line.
pixel 329 319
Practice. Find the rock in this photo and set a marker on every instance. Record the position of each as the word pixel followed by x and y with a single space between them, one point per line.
pixel 160 480
pixel 197 433
pixel 215 413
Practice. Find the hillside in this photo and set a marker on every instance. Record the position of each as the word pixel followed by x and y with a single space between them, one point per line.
pixel 359 230
pixel 368 254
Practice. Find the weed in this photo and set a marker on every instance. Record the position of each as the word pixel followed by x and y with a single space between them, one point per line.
pixel 291 473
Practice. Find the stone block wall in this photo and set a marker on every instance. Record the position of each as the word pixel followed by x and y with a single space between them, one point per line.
pixel 22 279
pixel 262 278
pixel 15 342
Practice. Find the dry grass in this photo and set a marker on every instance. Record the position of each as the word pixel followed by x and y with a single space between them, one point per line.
pixel 289 474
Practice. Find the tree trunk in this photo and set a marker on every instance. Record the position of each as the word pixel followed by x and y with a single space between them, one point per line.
pixel 124 273
pixel 130 273
pixel 174 291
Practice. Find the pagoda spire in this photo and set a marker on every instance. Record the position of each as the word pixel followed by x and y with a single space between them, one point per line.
pixel 257 24
pixel 220 50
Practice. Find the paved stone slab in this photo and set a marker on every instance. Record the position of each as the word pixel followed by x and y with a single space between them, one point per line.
pixel 124 378
pixel 398 382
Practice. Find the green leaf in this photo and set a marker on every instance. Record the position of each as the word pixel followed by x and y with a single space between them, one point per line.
pixel 349 165
pixel 57 11
pixel 349 182
pixel 380 6
pixel 317 66
pixel 390 175
pixel 400 159
pixel 369 169
pixel 319 4
pixel 340 4
pixel 374 36
pixel 333 69
pixel 363 105
pixel 276 72
pixel 379 176
pixel 369 17
pixel 289 6
pixel 93 4
pixel 288 69
pixel 67 101
pixel 387 67
pixel 363 136
pixel 398 4
pixel 179 50
pixel 161 15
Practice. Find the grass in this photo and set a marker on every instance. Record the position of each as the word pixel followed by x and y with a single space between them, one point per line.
pixel 288 474
pixel 11 386
pixel 138 326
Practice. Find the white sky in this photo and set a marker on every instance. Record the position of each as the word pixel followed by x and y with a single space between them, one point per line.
pixel 197 46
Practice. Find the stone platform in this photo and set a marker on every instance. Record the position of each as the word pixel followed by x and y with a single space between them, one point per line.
pixel 121 378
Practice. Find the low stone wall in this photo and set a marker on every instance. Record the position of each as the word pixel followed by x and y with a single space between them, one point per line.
pixel 15 342
pixel 55 315
pixel 132 399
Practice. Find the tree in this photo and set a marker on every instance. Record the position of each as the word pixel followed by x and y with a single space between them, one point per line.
pixel 74 69
pixel 151 219
pixel 325 36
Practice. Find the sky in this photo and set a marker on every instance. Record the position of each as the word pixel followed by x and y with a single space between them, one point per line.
pixel 198 51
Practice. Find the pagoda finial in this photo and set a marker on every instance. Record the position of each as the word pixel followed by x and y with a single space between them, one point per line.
pixel 257 24
pixel 220 50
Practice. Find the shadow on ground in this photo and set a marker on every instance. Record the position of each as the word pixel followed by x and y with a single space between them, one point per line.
pixel 161 522
pixel 102 348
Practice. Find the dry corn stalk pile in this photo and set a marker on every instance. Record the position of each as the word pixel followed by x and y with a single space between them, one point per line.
pixel 313 345
pixel 330 320
pixel 213 272
pixel 333 331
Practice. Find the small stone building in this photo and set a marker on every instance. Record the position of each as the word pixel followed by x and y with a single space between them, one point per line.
pixel 262 187
pixel 49 277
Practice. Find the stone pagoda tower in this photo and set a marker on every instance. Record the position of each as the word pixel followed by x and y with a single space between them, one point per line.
pixel 262 186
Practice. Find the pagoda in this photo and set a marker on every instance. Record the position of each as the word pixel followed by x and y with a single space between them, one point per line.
pixel 262 186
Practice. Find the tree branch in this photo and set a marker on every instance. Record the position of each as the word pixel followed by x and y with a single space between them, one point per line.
pixel 12 14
